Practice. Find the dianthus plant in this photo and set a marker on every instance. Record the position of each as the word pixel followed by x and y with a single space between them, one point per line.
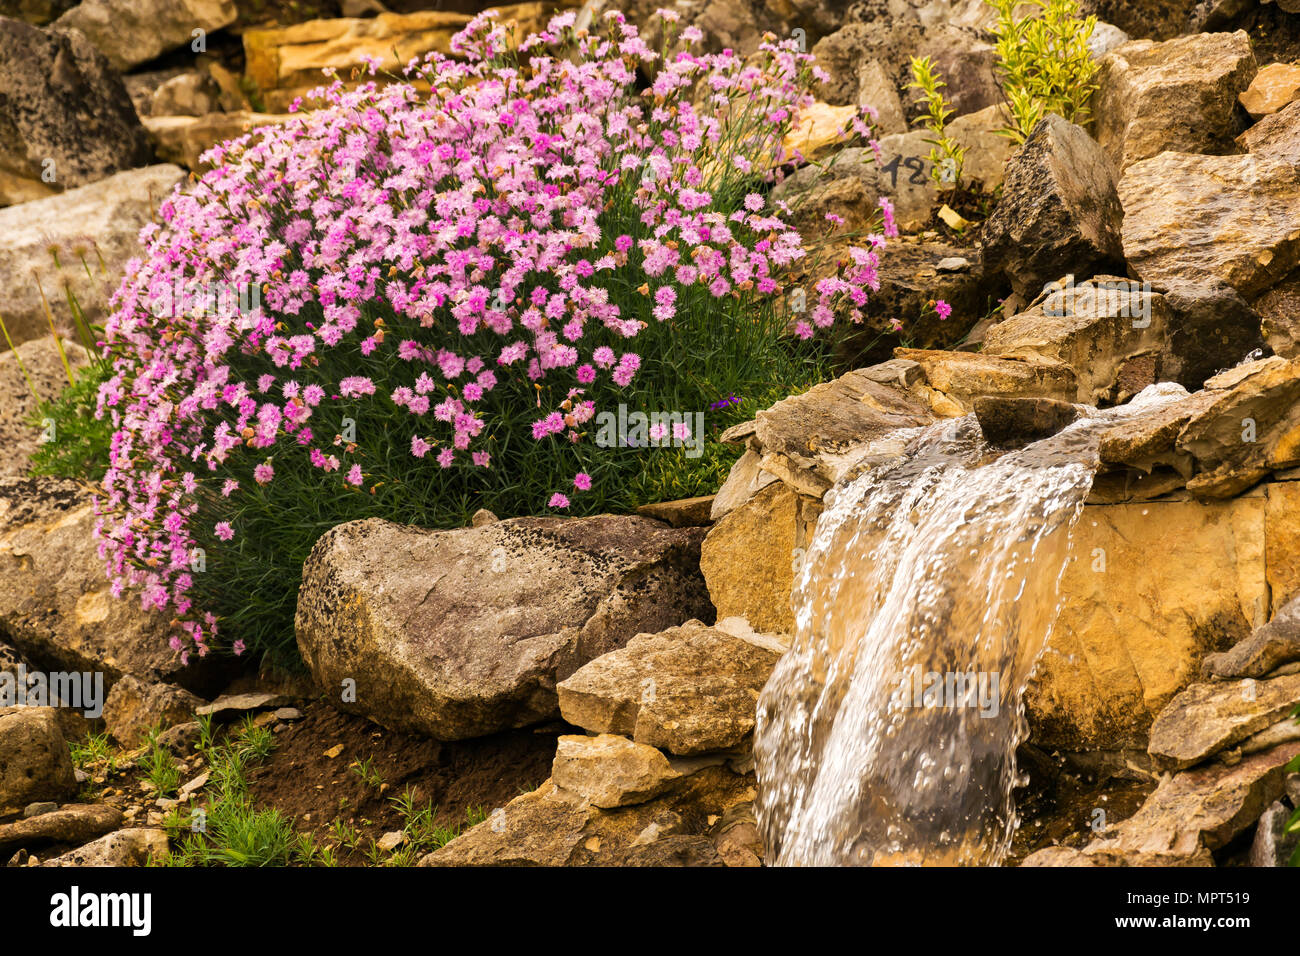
pixel 450 277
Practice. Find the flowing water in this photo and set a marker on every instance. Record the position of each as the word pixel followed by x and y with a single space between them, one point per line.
pixel 887 734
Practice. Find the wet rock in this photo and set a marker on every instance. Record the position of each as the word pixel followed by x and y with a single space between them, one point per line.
pixel 1099 329
pixel 1196 218
pixel 687 690
pixel 1273 87
pixel 65 112
pixel 135 707
pixel 34 760
pixel 1267 648
pixel 1021 420
pixel 1188 816
pixel 685 513
pixel 1059 212
pixel 610 771
pixel 1251 427
pixel 133 847
pixel 100 220
pixel 184 139
pixel 40 359
pixel 74 823
pixel 1272 845
pixel 1207 718
pixel 466 632
pixel 55 603
pixel 1178 95
pixel 131 32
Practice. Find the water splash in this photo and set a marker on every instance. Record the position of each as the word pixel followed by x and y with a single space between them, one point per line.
pixel 887 734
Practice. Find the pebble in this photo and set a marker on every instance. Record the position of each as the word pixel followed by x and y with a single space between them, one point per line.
pixel 952 264
pixel 36 809
pixel 391 841
pixel 288 713
pixel 334 751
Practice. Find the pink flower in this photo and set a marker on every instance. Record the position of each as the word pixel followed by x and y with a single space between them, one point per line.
pixel 354 476
pixel 943 309
pixel 419 447
pixel 223 530
pixel 263 473
pixel 582 481
pixel 558 501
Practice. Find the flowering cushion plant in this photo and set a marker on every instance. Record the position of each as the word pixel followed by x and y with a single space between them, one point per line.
pixel 453 276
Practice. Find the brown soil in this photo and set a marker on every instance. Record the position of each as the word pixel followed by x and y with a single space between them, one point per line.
pixel 315 790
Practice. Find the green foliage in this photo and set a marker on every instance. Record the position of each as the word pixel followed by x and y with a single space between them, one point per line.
pixel 160 767
pixel 77 442
pixel 1044 62
pixel 946 157
pixel 93 750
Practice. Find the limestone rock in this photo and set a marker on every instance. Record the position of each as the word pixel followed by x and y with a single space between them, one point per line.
pixel 184 139
pixel 34 760
pixel 1273 87
pixel 41 361
pixel 1141 617
pixel 466 632
pixel 1279 317
pixel 1006 420
pixel 189 94
pixel 610 771
pixel 100 220
pixel 687 690
pixel 744 481
pixel 37 12
pixel 1207 718
pixel 1100 329
pixel 1189 815
pixel 1276 136
pixel 1229 218
pixel 234 705
pixel 74 823
pixel 135 707
pixel 1270 646
pixel 130 32
pixel 684 513
pixel 748 559
pixel 548 827
pixel 55 603
pixel 65 113
pixel 1059 212
pixel 131 847
pixel 1177 95
pixel 1251 427
pixel 1212 328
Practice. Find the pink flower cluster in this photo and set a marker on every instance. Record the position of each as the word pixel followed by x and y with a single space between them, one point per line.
pixel 470 216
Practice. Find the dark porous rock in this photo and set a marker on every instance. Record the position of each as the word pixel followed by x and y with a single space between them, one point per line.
pixel 61 102
pixel 1017 421
pixel 1059 213
pixel 34 760
pixel 138 846
pixel 1180 95
pixel 75 823
pixel 135 707
pixel 466 632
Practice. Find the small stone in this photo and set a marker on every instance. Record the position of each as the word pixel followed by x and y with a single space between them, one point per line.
pixel 391 841
pixel 36 809
pixel 483 517
pixel 235 704
pixel 952 264
pixel 334 751
pixel 196 784
pixel 1273 87
pixel 288 713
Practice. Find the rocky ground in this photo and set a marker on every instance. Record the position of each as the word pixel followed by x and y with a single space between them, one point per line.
pixel 587 694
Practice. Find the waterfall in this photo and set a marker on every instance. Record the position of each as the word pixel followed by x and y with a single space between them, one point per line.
pixel 887 733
